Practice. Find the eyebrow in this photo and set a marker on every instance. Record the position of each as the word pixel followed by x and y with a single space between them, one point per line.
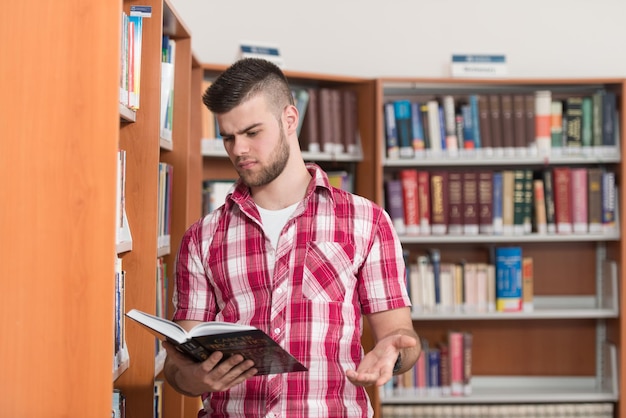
pixel 243 131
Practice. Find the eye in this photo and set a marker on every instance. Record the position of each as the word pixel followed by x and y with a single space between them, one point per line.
pixel 252 134
pixel 228 138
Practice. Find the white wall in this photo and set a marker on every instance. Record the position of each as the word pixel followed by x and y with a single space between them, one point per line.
pixel 541 38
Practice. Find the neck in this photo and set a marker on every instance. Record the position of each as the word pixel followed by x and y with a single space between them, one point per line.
pixel 288 188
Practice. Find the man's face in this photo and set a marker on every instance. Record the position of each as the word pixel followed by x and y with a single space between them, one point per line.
pixel 255 141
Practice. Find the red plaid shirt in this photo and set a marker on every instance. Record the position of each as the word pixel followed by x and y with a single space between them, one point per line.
pixel 338 257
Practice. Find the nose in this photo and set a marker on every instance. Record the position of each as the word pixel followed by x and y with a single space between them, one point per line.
pixel 239 145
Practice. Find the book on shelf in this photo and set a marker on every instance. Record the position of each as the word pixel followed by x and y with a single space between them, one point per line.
pixel 527 284
pixel 404 128
pixel 508 279
pixel 543 114
pixel 395 204
pixel 594 199
pixel 562 178
pixel 579 186
pixel 168 56
pixel 230 339
pixel 214 193
pixel 455 203
pixel 309 131
pixel 410 199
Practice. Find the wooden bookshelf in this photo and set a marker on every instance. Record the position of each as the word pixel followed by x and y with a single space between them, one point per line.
pixel 60 136
pixel 538 356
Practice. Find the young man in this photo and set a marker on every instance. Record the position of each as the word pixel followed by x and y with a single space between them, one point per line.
pixel 291 255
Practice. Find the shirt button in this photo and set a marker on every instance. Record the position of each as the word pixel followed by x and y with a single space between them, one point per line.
pixel 279 290
pixel 276 331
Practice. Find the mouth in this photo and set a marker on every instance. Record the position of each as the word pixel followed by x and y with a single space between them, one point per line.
pixel 245 164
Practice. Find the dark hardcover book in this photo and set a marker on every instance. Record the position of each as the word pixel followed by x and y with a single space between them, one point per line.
pixel 609 104
pixel 350 123
pixel 529 109
pixel 395 204
pixel 228 338
pixel 327 110
pixel 485 202
pixel 439 202
pixel 309 133
pixel 597 99
pixel 434 365
pixel 484 123
pixel 519 122
pixel 455 203
pixel 528 201
pixel 404 129
pixel 495 113
pixel 508 128
pixel 425 124
pixel 562 178
pixel 548 189
pixel 497 207
pixel 574 122
pixel 337 121
pixel 470 202
pixel 594 199
pixel 587 126
pixel 423 191
pixel 434 257
pixel 444 368
pixel 391 132
pixel 519 191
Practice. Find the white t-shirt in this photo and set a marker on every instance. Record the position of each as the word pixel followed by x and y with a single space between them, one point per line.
pixel 274 221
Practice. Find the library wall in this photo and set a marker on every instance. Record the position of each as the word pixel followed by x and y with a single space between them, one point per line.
pixel 417 38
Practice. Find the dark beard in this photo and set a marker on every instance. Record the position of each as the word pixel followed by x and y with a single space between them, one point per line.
pixel 278 162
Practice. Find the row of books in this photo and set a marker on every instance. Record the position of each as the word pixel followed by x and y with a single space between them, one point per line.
pixel 120 350
pixel 168 54
pixel 529 410
pixel 164 206
pixel 328 121
pixel 466 287
pixel 130 59
pixel 558 200
pixel 443 369
pixel 500 123
pixel 118 407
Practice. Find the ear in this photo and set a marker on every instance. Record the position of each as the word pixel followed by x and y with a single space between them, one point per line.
pixel 290 119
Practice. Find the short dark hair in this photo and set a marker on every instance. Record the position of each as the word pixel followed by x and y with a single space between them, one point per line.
pixel 247 78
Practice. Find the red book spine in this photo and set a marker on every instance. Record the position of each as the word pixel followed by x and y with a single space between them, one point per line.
pixel 563 199
pixel 411 200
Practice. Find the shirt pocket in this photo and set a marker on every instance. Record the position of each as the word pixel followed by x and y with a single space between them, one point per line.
pixel 328 271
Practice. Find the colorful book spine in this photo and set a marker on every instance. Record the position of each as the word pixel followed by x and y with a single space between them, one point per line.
pixel 395 204
pixel 404 131
pixel 508 279
pixel 543 114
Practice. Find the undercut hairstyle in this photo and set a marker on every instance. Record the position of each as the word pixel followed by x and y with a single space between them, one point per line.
pixel 245 79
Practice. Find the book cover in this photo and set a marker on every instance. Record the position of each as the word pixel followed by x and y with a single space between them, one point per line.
pixel 230 339
pixel 587 121
pixel 484 124
pixel 518 201
pixel 444 368
pixel 527 284
pixel 609 201
pixel 556 124
pixel 417 127
pixel 434 126
pixel 508 127
pixel 594 199
pixel 562 178
pixel 529 109
pixel 449 110
pixel 455 348
pixel 350 123
pixel 543 113
pixel 404 131
pixel 528 201
pixel 410 197
pixel 468 340
pixel 434 365
pixel 495 118
pixel 508 205
pixel 470 202
pixel 439 202
pixel 395 204
pixel 548 188
pixel 391 132
pixel 574 121
pixel 423 191
pixel 497 209
pixel 508 279
pixel 455 203
pixel 310 133
pixel 579 200
pixel 485 202
pixel 519 123
pixel 541 226
pixel 609 108
pixel 434 258
pixel 475 120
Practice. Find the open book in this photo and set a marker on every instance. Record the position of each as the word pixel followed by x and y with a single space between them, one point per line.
pixel 208 337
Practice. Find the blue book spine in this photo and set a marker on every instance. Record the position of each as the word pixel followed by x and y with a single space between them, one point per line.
pixel 508 279
pixel 442 127
pixel 402 110
pixel 473 99
pixel 497 203
pixel 468 127
pixel 435 262
pixel 434 365
pixel 391 133
pixel 416 126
